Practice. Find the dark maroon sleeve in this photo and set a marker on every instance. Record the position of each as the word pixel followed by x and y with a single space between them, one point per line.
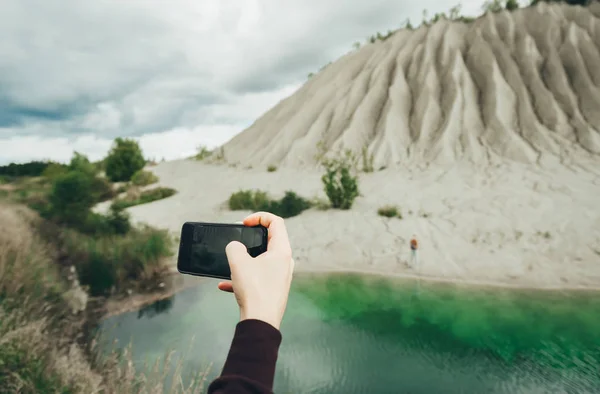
pixel 250 365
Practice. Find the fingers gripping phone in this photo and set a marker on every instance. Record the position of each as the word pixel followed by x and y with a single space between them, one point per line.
pixel 202 247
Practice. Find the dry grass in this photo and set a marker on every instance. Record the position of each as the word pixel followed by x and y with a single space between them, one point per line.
pixel 122 376
pixel 31 300
pixel 39 351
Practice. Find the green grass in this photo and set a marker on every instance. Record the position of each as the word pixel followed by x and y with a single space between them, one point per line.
pixel 252 200
pixel 143 178
pixel 271 168
pixel 255 200
pixel 133 260
pixel 389 211
pixel 145 197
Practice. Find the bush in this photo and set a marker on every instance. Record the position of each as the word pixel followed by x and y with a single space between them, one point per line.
pixel 271 168
pixel 81 163
pixel 101 189
pixel 124 160
pixel 251 200
pixel 145 197
pixel 115 223
pixel 255 200
pixel 143 178
pixel 389 211
pixel 118 220
pixel 290 205
pixel 341 186
pixel 107 262
pixel 54 170
pixel 71 198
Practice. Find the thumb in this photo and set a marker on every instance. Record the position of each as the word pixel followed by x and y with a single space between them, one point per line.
pixel 236 252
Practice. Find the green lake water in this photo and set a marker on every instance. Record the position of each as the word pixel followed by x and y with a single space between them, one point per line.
pixel 358 334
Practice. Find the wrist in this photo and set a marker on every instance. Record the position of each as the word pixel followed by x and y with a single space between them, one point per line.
pixel 265 317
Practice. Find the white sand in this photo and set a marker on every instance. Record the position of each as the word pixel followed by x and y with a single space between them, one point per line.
pixel 444 108
pixel 482 227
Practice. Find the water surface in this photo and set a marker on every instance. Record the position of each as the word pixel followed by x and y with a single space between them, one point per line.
pixel 356 334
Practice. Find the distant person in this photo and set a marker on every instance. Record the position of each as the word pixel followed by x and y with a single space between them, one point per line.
pixel 414 246
pixel 261 286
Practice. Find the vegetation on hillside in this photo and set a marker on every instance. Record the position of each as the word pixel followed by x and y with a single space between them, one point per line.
pixel 51 259
pixel 454 14
pixel 64 196
pixel 39 335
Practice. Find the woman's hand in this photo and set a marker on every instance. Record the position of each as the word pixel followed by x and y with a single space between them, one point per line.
pixel 262 284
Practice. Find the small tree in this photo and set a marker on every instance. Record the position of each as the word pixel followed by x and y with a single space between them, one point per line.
pixel 118 220
pixel 81 163
pixel 124 160
pixel 341 185
pixel 71 197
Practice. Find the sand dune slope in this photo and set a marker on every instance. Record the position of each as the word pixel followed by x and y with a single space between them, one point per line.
pixel 523 85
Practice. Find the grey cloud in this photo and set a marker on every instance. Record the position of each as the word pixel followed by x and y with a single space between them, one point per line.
pixel 110 67
pixel 290 57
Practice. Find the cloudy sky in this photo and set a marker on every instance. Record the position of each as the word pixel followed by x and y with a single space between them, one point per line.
pixel 172 73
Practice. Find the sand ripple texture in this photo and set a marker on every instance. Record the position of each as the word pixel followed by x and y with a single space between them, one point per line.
pixel 523 85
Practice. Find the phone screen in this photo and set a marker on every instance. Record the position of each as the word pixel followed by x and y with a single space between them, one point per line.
pixel 202 247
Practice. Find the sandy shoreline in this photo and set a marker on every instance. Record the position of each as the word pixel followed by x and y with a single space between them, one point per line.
pixel 509 225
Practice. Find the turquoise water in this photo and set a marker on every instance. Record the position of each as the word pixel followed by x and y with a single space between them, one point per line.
pixel 358 334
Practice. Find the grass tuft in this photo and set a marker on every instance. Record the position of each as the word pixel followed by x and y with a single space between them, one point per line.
pixel 389 211
pixel 135 197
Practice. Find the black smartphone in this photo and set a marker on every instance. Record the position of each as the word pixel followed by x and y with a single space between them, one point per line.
pixel 202 247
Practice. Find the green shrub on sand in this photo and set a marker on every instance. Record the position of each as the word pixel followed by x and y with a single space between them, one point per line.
pixel 255 200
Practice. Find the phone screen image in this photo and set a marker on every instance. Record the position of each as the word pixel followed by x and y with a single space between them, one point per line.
pixel 202 247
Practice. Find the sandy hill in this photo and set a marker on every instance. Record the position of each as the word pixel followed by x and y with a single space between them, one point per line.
pixel 487 98
pixel 523 85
